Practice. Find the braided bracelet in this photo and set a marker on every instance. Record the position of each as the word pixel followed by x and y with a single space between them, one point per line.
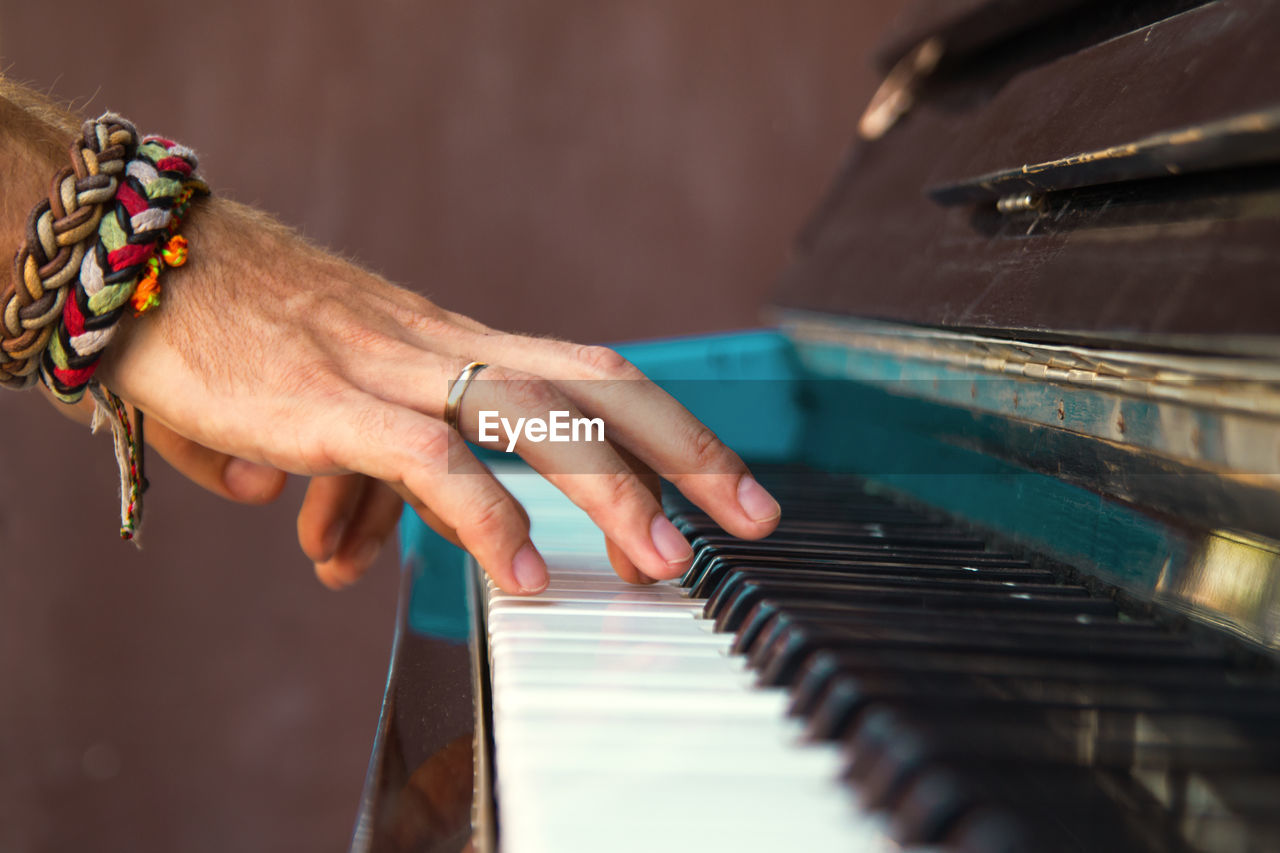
pixel 59 232
pixel 96 246
pixel 135 240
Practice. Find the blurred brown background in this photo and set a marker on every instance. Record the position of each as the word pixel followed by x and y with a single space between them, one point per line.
pixel 597 170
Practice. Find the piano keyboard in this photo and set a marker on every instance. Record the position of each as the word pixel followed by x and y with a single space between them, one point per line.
pixel 622 722
pixel 866 679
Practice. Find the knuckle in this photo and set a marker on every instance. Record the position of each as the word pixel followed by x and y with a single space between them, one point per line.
pixel 315 447
pixel 603 362
pixel 423 317
pixel 346 328
pixel 320 379
pixel 352 334
pixel 490 519
pixel 705 449
pixel 315 454
pixel 619 489
pixel 530 392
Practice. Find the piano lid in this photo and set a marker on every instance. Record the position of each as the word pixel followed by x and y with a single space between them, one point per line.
pixel 1064 170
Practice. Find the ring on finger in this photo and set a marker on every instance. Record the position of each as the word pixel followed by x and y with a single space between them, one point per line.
pixel 453 403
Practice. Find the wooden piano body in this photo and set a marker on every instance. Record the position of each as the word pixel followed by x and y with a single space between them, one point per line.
pixel 1042 297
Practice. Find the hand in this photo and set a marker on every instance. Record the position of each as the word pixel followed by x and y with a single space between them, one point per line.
pixel 271 351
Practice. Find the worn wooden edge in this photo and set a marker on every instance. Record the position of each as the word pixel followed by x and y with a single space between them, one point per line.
pixel 1249 139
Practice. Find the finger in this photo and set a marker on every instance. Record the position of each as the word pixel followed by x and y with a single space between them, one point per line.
pixel 226 476
pixel 398 445
pixel 364 535
pixel 622 565
pixel 329 504
pixel 591 473
pixel 650 423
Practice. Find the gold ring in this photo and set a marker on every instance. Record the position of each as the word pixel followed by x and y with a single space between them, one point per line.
pixel 457 388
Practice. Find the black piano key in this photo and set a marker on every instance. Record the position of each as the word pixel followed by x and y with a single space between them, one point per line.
pixel 836 707
pixel 768 615
pixel 893 745
pixel 705 577
pixel 821 673
pixel 839 706
pixel 827 532
pixel 1058 809
pixel 767 619
pixel 733 601
pixel 770 623
pixel 798 580
pixel 782 663
pixel 710 564
pixel 991 830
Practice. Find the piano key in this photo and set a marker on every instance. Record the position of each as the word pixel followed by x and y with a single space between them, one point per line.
pixel 782 662
pixel 709 567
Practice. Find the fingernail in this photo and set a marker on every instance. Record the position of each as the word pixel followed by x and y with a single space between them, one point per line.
pixel 673 547
pixel 326 576
pixel 248 480
pixel 758 504
pixel 529 569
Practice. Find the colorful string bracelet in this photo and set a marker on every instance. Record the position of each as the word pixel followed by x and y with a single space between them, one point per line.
pixel 136 240
pixel 94 249
pixel 60 230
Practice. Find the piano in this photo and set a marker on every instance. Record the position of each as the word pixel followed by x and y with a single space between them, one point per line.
pixel 1020 397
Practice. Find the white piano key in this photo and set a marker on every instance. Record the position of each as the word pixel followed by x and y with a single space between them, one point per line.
pixel 518 630
pixel 606 648
pixel 594 602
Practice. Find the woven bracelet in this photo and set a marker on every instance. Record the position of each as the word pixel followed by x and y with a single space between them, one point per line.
pixel 136 239
pixel 59 232
pixel 93 249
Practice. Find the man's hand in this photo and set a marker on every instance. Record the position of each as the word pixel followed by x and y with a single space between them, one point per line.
pixel 285 358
